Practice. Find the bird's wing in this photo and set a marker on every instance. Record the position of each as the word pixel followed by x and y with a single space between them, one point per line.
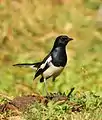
pixel 32 65
pixel 47 58
pixel 44 66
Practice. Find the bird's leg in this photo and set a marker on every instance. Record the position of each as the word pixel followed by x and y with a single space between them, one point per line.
pixel 45 87
pixel 53 79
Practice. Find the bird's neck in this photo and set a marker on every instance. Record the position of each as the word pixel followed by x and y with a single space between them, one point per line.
pixel 62 48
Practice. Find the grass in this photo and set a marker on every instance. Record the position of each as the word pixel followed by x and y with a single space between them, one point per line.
pixel 27 33
pixel 87 106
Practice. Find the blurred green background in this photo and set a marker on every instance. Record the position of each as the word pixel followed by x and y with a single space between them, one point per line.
pixel 28 29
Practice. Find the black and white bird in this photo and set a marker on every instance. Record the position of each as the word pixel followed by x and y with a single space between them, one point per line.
pixel 53 64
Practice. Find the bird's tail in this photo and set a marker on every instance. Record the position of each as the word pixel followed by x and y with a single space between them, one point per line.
pixel 31 65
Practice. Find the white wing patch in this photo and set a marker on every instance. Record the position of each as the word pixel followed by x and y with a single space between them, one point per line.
pixel 47 61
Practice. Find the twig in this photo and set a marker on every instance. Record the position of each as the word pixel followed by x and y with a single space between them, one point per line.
pixel 72 89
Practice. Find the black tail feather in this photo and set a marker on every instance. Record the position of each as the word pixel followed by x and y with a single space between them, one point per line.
pixel 28 64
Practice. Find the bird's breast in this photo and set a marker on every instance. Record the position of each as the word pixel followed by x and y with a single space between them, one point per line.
pixel 52 71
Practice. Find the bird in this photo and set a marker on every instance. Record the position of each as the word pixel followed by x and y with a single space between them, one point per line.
pixel 54 63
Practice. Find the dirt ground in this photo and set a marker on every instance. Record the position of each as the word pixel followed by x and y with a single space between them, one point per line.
pixel 20 103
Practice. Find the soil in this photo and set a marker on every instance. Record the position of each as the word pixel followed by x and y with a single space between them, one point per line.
pixel 20 103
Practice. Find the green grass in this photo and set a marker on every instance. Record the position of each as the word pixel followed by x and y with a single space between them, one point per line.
pixel 27 33
pixel 80 107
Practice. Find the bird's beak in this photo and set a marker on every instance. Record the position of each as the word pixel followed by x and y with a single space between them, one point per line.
pixel 70 39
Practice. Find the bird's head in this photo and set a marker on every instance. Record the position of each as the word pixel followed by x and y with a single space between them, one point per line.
pixel 62 40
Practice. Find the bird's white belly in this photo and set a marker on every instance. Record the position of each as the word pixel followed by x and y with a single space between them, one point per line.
pixel 52 71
